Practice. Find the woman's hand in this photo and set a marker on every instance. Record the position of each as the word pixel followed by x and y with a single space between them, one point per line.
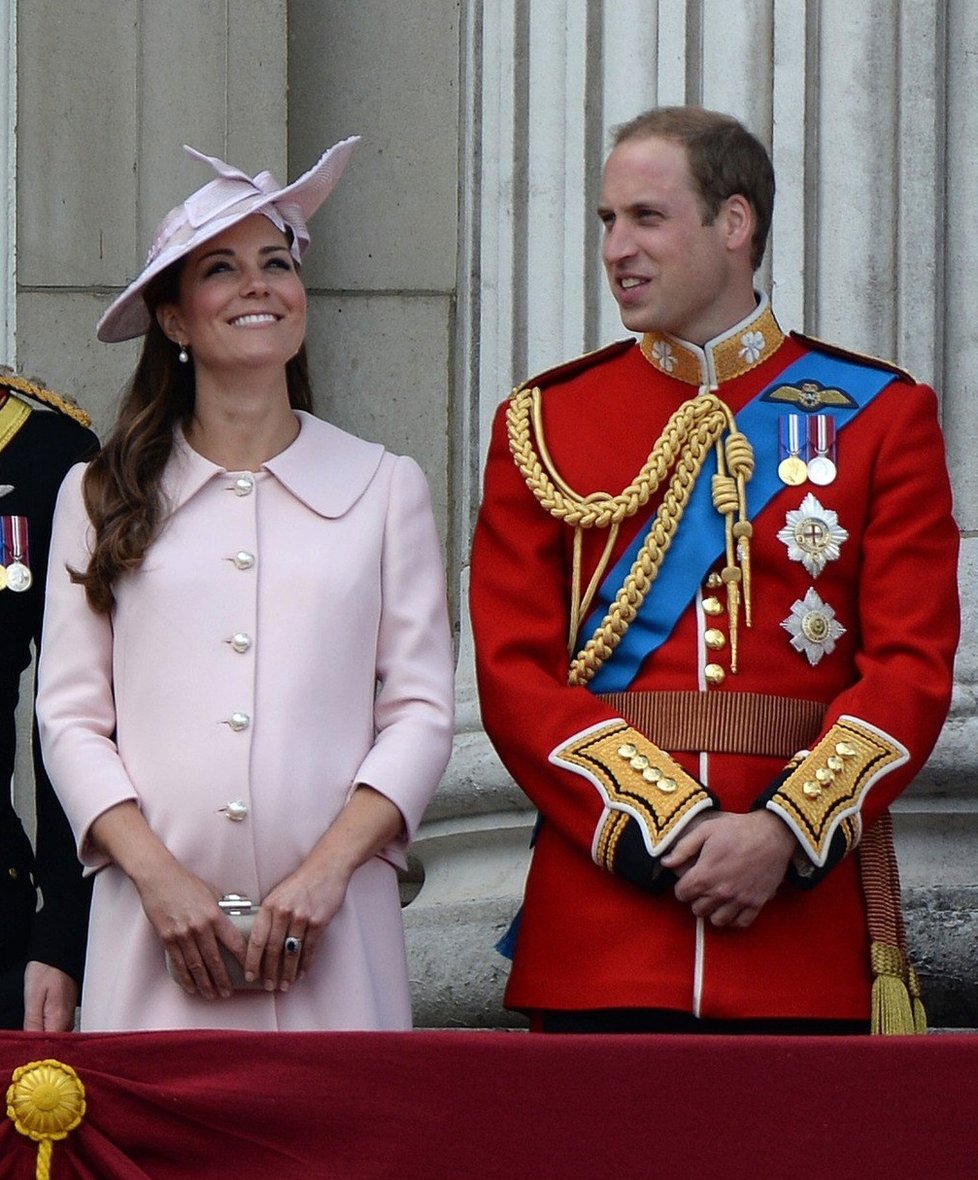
pixel 192 927
pixel 297 911
pixel 181 907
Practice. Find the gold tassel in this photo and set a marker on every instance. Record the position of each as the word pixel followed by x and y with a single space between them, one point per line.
pixel 892 1012
pixel 917 1003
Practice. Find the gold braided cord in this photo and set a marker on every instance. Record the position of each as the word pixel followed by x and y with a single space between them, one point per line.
pixel 33 388
pixel 599 509
pixel 681 449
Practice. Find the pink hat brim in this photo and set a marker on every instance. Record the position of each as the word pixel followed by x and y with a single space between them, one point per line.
pixel 128 317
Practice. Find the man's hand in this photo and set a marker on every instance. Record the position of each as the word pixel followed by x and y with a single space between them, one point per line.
pixel 730 865
pixel 50 997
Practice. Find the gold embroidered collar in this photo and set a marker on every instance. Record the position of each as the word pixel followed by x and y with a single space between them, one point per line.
pixel 721 359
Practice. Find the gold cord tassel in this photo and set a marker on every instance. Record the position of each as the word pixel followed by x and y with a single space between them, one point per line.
pixel 892 1012
pixel 896 1004
pixel 916 1001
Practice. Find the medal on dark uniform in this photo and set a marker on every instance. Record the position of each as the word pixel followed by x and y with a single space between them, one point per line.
pixel 18 571
pixel 792 470
pixel 3 577
pixel 821 438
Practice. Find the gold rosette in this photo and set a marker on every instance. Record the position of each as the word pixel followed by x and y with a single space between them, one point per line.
pixel 46 1100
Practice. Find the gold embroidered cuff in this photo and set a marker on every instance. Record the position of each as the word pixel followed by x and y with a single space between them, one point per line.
pixel 822 794
pixel 635 779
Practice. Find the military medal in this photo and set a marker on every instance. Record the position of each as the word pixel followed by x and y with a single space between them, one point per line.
pixel 821 440
pixel 813 535
pixel 19 576
pixel 792 470
pixel 813 627
pixel 3 577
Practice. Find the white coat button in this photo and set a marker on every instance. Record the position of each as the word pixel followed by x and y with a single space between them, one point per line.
pixel 244 560
pixel 244 485
pixel 236 810
pixel 240 641
pixel 239 721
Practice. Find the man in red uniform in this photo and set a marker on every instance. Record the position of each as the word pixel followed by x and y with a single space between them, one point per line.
pixel 715 609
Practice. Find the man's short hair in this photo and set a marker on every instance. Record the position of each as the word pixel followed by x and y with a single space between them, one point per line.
pixel 724 160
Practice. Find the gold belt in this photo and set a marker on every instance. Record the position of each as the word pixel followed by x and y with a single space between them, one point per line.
pixel 721 722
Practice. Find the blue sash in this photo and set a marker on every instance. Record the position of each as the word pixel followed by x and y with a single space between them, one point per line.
pixel 700 539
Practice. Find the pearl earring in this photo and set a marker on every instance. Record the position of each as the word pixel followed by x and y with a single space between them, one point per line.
pixel 183 356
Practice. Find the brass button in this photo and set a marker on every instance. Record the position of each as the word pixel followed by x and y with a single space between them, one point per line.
pixel 712 606
pixel 12 873
pixel 845 749
pixel 667 785
pixel 639 762
pixel 714 674
pixel 652 774
pixel 714 581
pixel 824 775
pixel 812 790
pixel 715 639
pixel 627 751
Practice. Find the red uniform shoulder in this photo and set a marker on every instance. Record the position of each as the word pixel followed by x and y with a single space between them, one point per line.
pixel 580 364
pixel 848 354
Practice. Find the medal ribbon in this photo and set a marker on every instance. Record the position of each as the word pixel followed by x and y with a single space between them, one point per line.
pixel 18 538
pixel 789 427
pixel 821 434
pixel 700 541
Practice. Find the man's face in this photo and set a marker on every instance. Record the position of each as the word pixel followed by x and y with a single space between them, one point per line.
pixel 667 270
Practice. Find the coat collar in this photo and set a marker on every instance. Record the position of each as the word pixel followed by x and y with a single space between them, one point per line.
pixel 326 468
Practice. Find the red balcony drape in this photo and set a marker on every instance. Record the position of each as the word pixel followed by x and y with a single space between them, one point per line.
pixel 482 1105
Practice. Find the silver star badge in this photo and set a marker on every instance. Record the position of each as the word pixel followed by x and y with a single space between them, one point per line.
pixel 813 627
pixel 813 535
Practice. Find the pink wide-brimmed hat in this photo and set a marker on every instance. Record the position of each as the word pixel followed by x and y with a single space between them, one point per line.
pixel 210 210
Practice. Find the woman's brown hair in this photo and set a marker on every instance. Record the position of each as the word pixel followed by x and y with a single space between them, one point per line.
pixel 122 485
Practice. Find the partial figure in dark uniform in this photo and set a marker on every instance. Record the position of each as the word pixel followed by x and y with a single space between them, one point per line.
pixel 41 950
pixel 714 598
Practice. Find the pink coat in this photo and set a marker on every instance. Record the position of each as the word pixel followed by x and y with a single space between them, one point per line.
pixel 285 638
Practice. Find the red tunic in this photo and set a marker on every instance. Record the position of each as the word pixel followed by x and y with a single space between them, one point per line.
pixel 589 938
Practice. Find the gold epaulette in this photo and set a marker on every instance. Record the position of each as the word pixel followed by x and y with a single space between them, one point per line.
pixel 580 364
pixel 47 397
pixel 848 354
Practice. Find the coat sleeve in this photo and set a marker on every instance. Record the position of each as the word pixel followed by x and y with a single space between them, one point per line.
pixel 609 790
pixel 881 729
pixel 414 706
pixel 75 703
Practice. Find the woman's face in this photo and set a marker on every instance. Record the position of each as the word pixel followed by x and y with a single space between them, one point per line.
pixel 241 303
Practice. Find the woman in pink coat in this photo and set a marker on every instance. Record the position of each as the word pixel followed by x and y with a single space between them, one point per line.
pixel 246 681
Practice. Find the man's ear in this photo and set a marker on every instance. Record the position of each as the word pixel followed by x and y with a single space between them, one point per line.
pixel 169 320
pixel 739 215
